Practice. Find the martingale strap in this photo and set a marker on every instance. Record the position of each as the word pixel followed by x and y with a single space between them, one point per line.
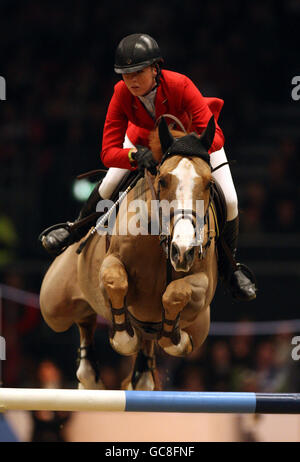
pixel 219 166
pixel 229 162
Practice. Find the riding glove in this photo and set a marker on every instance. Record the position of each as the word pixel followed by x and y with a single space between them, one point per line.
pixel 144 158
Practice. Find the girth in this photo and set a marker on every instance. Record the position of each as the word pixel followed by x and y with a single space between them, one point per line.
pixel 151 329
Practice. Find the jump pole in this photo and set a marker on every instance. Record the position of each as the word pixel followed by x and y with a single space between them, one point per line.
pixel 32 399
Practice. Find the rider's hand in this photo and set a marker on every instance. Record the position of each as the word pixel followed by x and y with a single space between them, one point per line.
pixel 144 158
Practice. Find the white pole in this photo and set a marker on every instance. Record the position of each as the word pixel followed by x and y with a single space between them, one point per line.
pixel 29 399
pixel 1 381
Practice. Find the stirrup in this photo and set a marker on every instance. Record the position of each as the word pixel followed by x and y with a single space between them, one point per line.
pixel 242 284
pixel 248 273
pixel 60 249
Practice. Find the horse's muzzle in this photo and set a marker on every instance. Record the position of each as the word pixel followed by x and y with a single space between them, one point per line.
pixel 182 259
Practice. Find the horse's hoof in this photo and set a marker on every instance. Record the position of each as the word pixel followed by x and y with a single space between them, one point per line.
pixel 145 382
pixel 124 344
pixel 91 386
pixel 86 379
pixel 183 348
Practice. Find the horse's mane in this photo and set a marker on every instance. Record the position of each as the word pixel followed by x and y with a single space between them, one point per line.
pixel 154 142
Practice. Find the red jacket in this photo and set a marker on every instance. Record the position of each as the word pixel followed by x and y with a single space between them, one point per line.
pixel 176 95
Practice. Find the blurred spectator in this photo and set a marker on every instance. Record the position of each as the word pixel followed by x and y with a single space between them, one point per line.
pixel 242 373
pixel 18 321
pixel 252 216
pixel 219 367
pixel 190 377
pixel 286 215
pixel 8 240
pixel 48 425
pixel 269 375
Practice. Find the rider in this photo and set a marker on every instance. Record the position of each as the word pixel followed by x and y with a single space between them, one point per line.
pixel 145 93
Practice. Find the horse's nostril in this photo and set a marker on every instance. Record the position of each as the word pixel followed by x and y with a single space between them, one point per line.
pixel 191 253
pixel 174 252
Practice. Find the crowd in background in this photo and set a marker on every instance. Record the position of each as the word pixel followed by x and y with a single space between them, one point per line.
pixel 239 361
pixel 59 73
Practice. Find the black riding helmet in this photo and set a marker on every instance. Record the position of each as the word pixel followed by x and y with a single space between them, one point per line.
pixel 135 52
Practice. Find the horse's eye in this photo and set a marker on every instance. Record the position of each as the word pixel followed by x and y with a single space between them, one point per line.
pixel 209 184
pixel 162 182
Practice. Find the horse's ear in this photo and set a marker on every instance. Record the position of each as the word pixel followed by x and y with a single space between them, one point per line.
pixel 208 135
pixel 165 137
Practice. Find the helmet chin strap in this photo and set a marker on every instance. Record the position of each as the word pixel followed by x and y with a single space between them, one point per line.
pixel 157 79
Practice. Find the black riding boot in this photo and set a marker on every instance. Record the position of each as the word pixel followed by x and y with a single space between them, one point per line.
pixel 56 241
pixel 235 275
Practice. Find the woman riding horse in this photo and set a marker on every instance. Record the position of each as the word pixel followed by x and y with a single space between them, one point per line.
pixel 120 276
pixel 145 93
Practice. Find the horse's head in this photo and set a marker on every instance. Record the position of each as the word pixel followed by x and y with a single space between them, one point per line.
pixel 183 180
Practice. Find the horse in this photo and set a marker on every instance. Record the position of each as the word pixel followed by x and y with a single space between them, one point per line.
pixel 154 290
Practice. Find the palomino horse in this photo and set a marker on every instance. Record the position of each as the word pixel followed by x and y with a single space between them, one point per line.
pixel 125 278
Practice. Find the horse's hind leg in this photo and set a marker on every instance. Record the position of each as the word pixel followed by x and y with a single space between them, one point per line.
pixel 60 315
pixel 88 369
pixel 113 275
pixel 63 304
pixel 144 374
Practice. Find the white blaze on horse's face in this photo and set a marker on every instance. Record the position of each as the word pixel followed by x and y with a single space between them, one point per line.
pixel 182 246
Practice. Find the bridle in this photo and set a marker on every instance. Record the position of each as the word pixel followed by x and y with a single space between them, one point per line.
pixel 197 221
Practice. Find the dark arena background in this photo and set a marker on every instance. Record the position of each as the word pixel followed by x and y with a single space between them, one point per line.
pixel 57 64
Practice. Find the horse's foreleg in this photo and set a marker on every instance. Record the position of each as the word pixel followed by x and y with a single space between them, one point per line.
pixel 123 336
pixel 177 296
pixel 144 375
pixel 88 369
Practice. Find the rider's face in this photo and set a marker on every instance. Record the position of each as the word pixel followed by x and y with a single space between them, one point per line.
pixel 141 82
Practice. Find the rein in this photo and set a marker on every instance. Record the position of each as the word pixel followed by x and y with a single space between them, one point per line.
pixel 171 116
pixel 100 225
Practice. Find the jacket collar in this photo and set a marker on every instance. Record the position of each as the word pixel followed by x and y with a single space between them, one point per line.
pixel 160 102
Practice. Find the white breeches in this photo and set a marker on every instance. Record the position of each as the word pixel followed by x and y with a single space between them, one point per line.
pixel 224 178
pixel 222 175
pixel 114 175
